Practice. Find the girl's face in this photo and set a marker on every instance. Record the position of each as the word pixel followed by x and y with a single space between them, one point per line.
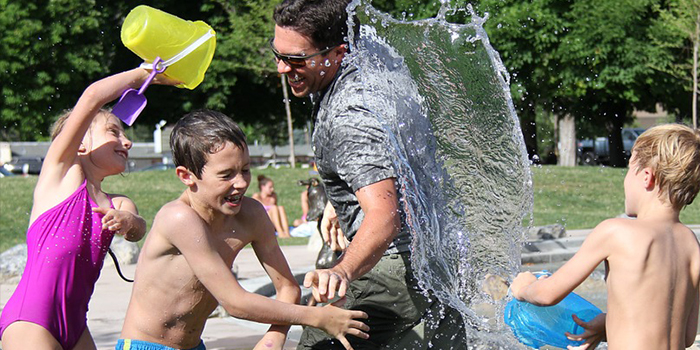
pixel 107 145
pixel 268 188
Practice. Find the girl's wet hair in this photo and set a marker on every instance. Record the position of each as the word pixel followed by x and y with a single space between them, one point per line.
pixel 672 151
pixel 200 133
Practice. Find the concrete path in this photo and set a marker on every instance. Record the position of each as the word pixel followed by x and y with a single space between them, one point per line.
pixel 110 300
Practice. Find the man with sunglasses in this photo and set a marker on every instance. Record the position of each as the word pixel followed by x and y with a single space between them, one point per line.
pixel 357 169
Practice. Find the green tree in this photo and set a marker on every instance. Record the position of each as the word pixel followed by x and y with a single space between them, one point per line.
pixel 51 51
pixel 48 49
pixel 676 34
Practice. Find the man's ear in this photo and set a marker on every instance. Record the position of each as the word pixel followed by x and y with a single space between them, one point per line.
pixel 185 176
pixel 340 51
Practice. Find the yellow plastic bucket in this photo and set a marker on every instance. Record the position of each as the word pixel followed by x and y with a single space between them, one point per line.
pixel 151 33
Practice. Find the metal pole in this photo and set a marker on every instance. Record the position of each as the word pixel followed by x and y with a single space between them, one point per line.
pixel 695 72
pixel 290 130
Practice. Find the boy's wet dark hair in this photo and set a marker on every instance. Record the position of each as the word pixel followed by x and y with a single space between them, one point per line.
pixel 323 21
pixel 200 133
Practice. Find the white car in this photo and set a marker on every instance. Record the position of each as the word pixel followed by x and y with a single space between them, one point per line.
pixel 275 163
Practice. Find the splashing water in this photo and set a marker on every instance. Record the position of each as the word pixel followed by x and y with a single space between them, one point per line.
pixel 461 162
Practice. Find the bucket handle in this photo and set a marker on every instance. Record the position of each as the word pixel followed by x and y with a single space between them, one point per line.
pixel 196 44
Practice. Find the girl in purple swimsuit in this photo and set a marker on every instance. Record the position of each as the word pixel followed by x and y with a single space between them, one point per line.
pixel 268 198
pixel 73 222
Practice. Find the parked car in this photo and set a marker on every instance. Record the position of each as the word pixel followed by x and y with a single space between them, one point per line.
pixel 594 152
pixel 275 163
pixel 25 165
pixel 158 166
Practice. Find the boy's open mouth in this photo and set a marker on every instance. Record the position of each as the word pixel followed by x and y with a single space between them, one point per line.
pixel 233 199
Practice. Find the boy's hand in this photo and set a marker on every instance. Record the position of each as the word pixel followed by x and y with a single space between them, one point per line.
pixel 520 283
pixel 338 322
pixel 594 333
pixel 324 283
pixel 271 341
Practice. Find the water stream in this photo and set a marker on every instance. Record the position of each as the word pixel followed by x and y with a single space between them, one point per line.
pixel 461 160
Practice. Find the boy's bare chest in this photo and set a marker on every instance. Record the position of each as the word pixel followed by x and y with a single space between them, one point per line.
pixel 229 245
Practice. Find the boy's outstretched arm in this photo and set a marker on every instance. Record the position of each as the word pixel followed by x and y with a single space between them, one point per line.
pixel 273 261
pixel 551 290
pixel 186 231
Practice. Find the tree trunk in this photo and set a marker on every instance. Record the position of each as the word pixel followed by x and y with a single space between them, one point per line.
pixel 567 141
pixel 529 129
pixel 695 72
pixel 617 152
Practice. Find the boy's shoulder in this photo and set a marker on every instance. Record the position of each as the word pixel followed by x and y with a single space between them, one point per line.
pixel 176 216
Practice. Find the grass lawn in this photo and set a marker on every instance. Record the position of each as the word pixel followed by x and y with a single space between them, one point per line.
pixel 578 197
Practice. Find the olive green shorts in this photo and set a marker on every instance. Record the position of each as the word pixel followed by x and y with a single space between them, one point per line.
pixel 400 315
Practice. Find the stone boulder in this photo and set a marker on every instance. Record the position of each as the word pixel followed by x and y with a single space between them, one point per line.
pixel 126 252
pixel 12 263
pixel 541 233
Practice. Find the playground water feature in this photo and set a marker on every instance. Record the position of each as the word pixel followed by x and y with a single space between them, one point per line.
pixel 462 165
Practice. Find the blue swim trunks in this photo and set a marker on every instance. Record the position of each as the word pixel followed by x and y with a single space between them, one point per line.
pixel 129 344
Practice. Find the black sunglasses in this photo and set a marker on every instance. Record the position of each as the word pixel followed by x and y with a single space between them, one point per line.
pixel 295 60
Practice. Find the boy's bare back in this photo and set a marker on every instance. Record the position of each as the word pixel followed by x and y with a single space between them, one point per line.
pixel 654 267
pixel 169 304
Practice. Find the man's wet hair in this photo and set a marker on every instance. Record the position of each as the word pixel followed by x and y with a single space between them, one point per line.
pixel 323 21
pixel 200 133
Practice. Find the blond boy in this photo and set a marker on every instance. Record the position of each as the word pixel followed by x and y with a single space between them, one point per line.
pixel 184 270
pixel 652 262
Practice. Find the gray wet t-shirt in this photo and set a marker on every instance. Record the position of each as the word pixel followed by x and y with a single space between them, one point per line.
pixel 351 151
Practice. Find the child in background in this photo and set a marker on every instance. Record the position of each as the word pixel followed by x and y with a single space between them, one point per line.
pixel 268 198
pixel 652 262
pixel 184 269
pixel 72 223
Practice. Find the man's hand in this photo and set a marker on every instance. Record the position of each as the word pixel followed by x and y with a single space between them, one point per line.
pixel 594 333
pixel 325 283
pixel 330 229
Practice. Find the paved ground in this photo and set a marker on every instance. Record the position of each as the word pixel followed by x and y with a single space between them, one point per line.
pixel 109 303
pixel 110 300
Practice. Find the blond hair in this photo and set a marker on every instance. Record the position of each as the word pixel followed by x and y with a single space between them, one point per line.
pixel 57 126
pixel 672 151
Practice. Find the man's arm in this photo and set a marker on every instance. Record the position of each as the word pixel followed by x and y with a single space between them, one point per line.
pixel 381 223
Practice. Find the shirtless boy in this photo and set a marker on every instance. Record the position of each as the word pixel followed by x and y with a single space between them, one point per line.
pixel 184 269
pixel 652 262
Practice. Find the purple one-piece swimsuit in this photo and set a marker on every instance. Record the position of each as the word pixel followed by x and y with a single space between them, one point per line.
pixel 66 247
